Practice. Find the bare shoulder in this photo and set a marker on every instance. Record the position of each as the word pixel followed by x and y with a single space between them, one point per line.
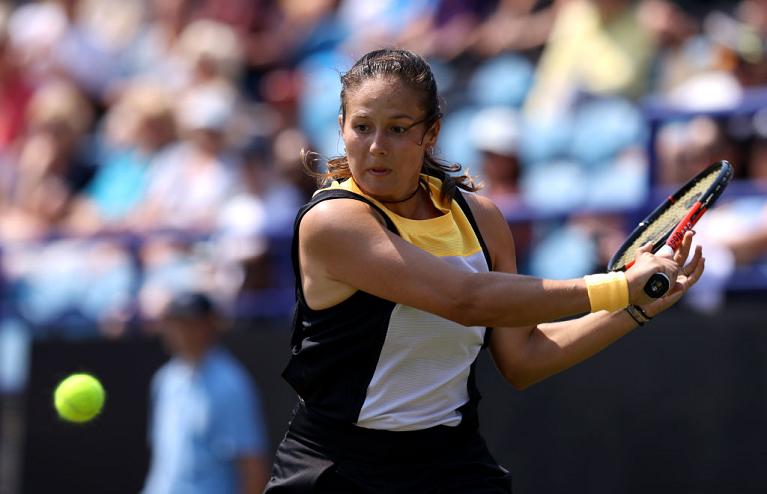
pixel 336 240
pixel 338 217
pixel 495 231
pixel 482 207
pixel 340 231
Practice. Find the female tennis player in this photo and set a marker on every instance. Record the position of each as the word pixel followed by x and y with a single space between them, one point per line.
pixel 400 273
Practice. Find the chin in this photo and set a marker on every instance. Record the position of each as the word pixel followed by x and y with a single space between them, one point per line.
pixel 372 188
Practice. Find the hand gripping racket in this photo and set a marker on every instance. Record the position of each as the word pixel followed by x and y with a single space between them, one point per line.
pixel 666 225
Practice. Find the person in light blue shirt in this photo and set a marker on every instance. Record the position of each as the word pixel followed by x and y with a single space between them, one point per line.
pixel 206 430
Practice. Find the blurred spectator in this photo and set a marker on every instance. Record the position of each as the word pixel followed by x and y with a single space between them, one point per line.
pixel 139 129
pixel 445 29
pixel 295 29
pixel 740 43
pixel 153 54
pixel 263 206
pixel 750 246
pixel 52 164
pixel 206 431
pixel 290 178
pixel 597 47
pixel 187 186
pixel 193 179
pixel 249 243
pixel 15 88
pixel 184 52
pixel 756 158
pixel 240 240
pixel 242 15
pixel 686 148
pixel 682 50
pixel 92 50
pixel 372 24
pixel 515 25
pixel 735 236
pixel 212 53
pixel 35 30
pixel 708 68
pixel 495 133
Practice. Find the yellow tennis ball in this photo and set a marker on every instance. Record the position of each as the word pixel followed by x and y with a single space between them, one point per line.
pixel 79 398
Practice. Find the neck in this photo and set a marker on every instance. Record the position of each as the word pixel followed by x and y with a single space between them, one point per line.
pixel 194 356
pixel 406 198
pixel 418 206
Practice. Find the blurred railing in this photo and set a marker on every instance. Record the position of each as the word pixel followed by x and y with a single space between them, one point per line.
pixel 273 301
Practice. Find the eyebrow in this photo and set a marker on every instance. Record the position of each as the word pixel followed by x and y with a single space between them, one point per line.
pixel 392 117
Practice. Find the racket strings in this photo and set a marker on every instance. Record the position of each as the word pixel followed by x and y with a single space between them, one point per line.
pixel 668 219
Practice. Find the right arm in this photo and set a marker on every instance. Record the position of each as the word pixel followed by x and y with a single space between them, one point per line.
pixel 344 246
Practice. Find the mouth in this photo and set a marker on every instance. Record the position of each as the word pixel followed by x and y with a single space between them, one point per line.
pixel 379 171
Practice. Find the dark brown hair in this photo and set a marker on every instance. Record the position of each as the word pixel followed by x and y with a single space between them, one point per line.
pixel 413 71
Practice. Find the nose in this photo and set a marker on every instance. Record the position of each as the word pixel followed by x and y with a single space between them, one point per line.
pixel 378 144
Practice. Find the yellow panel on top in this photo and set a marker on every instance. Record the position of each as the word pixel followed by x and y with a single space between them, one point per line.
pixel 447 235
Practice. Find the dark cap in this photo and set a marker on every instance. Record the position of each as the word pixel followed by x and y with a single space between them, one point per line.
pixel 190 305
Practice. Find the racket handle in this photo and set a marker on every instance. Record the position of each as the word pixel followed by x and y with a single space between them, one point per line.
pixel 657 285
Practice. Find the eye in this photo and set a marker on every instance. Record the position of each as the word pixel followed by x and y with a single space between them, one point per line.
pixel 399 129
pixel 361 128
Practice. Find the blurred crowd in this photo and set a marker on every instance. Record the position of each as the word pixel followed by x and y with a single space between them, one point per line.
pixel 151 147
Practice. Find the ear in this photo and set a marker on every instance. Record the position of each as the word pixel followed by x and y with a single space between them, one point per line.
pixel 431 135
pixel 341 122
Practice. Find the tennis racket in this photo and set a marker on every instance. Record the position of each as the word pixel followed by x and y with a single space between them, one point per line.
pixel 666 225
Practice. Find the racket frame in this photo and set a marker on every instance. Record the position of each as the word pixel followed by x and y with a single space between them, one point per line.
pixel 673 238
pixel 659 283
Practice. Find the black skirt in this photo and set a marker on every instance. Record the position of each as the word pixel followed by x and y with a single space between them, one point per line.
pixel 321 456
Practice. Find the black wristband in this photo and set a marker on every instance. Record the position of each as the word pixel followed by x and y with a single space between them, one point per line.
pixel 639 323
pixel 641 311
pixel 637 315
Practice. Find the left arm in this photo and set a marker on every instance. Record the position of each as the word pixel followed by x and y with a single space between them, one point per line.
pixel 527 355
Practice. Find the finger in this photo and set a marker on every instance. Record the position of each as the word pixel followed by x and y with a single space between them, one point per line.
pixel 693 278
pixel 693 264
pixel 684 250
pixel 676 290
pixel 695 275
pixel 645 248
pixel 666 251
pixel 670 267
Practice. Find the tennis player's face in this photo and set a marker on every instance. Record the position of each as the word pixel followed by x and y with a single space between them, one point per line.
pixel 385 137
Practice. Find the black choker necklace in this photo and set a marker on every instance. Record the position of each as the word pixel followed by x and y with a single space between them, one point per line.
pixel 410 196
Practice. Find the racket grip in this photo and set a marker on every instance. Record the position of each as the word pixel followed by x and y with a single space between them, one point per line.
pixel 657 285
pixel 665 251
